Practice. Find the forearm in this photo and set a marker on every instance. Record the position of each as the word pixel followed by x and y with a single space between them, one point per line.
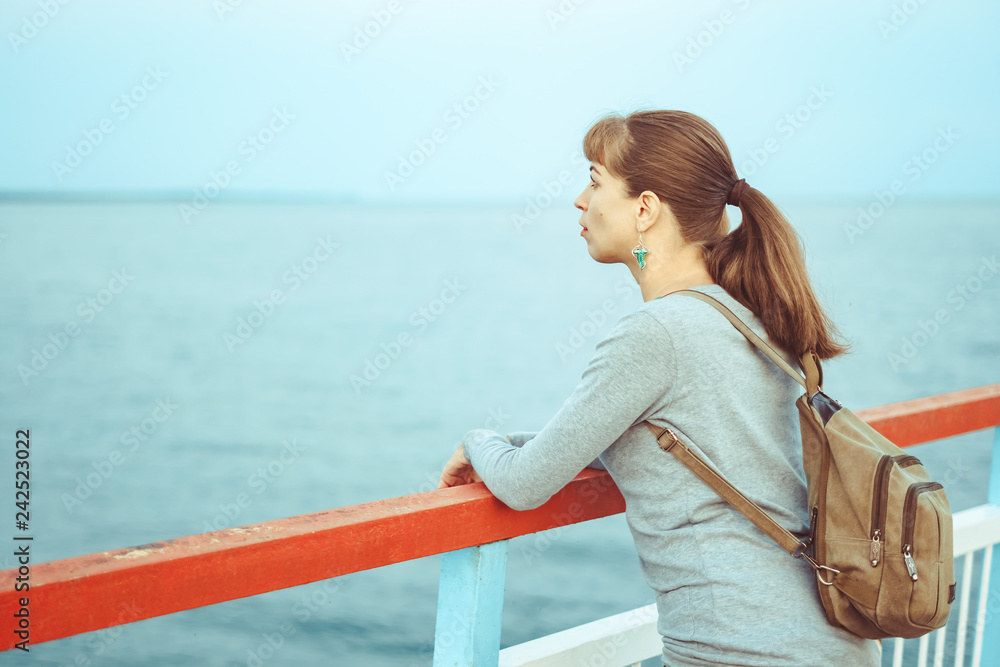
pixel 627 374
pixel 506 468
pixel 518 438
pixel 522 479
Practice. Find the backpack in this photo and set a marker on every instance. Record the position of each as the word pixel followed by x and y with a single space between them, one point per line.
pixel 880 535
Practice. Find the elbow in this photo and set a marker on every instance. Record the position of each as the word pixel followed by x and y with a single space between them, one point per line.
pixel 524 506
pixel 522 501
pixel 519 490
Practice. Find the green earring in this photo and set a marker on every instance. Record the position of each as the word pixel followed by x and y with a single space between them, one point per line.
pixel 640 252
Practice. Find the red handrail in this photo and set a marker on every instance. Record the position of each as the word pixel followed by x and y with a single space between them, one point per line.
pixel 934 417
pixel 105 589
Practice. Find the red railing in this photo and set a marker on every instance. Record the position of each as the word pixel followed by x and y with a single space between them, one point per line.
pixel 110 588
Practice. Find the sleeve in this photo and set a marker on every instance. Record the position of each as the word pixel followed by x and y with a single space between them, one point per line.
pixel 632 368
pixel 518 438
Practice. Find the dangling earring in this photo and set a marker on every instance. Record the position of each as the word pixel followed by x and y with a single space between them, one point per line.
pixel 640 253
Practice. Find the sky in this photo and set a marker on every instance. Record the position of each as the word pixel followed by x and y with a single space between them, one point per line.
pixel 406 101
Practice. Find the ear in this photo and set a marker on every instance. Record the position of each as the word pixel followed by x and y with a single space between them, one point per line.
pixel 648 210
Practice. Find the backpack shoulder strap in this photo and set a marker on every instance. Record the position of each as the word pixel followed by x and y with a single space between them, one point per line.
pixel 749 333
pixel 729 493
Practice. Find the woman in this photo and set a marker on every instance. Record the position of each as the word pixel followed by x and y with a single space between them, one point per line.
pixel 726 593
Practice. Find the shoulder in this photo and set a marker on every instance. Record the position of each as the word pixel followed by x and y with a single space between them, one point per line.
pixel 684 301
pixel 655 323
pixel 635 338
pixel 694 322
pixel 637 349
pixel 637 325
pixel 680 309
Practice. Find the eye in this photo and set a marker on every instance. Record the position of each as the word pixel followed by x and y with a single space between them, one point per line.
pixel 593 183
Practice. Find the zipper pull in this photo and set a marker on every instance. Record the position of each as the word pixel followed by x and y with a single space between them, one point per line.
pixel 911 567
pixel 875 551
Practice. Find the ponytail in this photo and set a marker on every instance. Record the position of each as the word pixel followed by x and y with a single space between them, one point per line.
pixel 761 264
pixel 683 159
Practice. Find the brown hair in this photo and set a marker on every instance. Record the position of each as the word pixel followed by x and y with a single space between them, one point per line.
pixel 683 159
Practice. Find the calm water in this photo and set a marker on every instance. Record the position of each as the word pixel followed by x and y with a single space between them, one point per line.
pixel 163 329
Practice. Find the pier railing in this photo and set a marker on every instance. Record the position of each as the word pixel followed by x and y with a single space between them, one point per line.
pixel 470 528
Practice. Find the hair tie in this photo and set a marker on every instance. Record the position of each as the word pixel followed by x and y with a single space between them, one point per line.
pixel 736 194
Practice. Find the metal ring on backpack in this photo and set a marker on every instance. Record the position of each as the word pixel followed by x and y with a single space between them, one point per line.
pixel 820 577
pixel 817 567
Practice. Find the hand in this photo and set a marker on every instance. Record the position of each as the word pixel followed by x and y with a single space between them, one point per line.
pixel 458 470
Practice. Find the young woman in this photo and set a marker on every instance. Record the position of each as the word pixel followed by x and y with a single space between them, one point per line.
pixel 726 593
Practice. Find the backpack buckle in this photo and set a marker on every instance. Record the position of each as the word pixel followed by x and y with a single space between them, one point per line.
pixel 802 547
pixel 674 440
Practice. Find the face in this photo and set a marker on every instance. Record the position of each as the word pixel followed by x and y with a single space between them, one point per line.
pixel 608 219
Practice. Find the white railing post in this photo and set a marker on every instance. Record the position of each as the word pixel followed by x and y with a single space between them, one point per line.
pixel 470 606
pixel 991 628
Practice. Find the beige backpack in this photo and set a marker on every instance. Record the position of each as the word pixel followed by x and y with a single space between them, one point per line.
pixel 880 538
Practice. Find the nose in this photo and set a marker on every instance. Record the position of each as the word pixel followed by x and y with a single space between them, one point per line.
pixel 580 202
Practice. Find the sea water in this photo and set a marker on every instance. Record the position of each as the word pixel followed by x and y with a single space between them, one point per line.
pixel 261 361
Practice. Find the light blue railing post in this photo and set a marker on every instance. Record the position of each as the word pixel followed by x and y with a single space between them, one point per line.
pixel 991 631
pixel 470 606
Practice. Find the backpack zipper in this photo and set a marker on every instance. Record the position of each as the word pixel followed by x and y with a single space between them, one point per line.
pixel 812 527
pixel 910 518
pixel 879 501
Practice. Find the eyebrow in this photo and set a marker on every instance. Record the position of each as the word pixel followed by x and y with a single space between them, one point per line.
pixel 594 169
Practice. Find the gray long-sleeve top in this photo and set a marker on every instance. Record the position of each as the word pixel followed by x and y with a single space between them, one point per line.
pixel 725 592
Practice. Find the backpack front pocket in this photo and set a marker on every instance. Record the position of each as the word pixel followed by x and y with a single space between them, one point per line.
pixel 920 514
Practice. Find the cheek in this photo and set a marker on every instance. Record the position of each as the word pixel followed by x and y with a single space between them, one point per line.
pixel 605 211
pixel 597 205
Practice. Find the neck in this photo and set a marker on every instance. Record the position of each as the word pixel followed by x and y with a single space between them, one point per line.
pixel 662 275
